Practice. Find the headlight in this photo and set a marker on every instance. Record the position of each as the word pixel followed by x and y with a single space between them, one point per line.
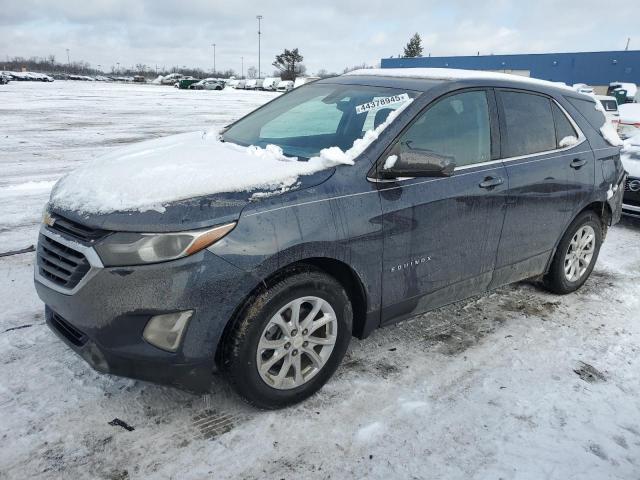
pixel 126 249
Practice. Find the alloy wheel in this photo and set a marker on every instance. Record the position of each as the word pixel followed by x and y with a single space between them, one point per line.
pixel 580 253
pixel 296 343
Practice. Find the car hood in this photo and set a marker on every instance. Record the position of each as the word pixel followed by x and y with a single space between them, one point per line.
pixel 180 182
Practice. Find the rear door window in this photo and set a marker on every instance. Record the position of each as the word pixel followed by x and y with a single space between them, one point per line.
pixel 528 123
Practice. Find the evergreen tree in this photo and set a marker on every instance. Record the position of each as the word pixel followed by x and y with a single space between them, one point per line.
pixel 289 64
pixel 414 47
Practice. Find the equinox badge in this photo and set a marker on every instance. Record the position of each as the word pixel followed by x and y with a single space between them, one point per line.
pixel 412 264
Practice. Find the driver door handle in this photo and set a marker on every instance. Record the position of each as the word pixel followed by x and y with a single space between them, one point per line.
pixel 577 163
pixel 491 182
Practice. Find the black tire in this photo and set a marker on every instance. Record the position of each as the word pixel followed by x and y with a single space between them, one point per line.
pixel 241 344
pixel 555 280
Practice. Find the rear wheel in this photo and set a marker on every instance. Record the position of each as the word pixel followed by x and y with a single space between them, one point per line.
pixel 289 341
pixel 576 255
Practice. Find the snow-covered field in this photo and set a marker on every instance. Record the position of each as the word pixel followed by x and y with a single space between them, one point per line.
pixel 517 384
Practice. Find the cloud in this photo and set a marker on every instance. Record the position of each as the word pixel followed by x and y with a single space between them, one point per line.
pixel 330 34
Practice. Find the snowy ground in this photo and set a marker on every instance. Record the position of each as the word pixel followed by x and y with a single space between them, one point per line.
pixel 517 384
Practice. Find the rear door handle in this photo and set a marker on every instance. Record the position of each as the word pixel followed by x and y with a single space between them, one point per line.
pixel 577 163
pixel 491 182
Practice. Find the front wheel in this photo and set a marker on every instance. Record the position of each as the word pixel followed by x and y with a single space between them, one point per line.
pixel 576 255
pixel 289 340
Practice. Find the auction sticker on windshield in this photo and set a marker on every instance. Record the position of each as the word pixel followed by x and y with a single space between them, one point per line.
pixel 382 102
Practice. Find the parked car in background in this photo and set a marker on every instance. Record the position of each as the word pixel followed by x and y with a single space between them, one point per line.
pixel 304 80
pixel 185 83
pixel 631 162
pixel 270 83
pixel 610 107
pixel 207 84
pixel 255 84
pixel 170 79
pixel 631 89
pixel 629 125
pixel 29 77
pixel 138 79
pixel 4 79
pixel 240 84
pixel 583 88
pixel 404 194
pixel 285 86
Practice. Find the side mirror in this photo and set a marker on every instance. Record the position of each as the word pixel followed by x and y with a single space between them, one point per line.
pixel 417 163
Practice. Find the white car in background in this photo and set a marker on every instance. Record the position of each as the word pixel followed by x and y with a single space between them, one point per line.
pixel 629 120
pixel 285 86
pixel 304 80
pixel 271 83
pixel 254 84
pixel 170 79
pixel 610 106
pixel 583 88
pixel 240 84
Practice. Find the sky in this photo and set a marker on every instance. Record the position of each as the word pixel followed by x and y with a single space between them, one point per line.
pixel 330 34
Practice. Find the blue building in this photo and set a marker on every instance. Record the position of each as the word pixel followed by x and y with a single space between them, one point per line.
pixel 593 68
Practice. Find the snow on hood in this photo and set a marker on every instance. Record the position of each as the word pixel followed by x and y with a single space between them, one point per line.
pixel 149 175
pixel 454 74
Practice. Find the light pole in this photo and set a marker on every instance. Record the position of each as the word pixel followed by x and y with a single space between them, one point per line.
pixel 259 17
pixel 242 67
pixel 214 58
pixel 68 60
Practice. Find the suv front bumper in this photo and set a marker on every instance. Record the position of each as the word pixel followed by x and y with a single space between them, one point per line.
pixel 103 320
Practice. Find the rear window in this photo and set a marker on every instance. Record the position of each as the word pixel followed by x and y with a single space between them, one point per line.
pixel 588 110
pixel 529 124
pixel 564 129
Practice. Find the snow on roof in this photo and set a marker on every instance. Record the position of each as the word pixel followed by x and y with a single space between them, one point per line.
pixel 454 74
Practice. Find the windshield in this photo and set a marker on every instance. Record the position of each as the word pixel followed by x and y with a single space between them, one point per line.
pixel 318 116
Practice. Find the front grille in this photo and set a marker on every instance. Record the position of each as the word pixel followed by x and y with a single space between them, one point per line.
pixel 70 332
pixel 76 230
pixel 632 197
pixel 60 264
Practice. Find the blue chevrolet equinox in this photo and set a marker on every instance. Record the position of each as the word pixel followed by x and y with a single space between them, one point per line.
pixel 477 181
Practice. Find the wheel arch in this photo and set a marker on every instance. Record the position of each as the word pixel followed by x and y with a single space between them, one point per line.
pixel 600 208
pixel 363 323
